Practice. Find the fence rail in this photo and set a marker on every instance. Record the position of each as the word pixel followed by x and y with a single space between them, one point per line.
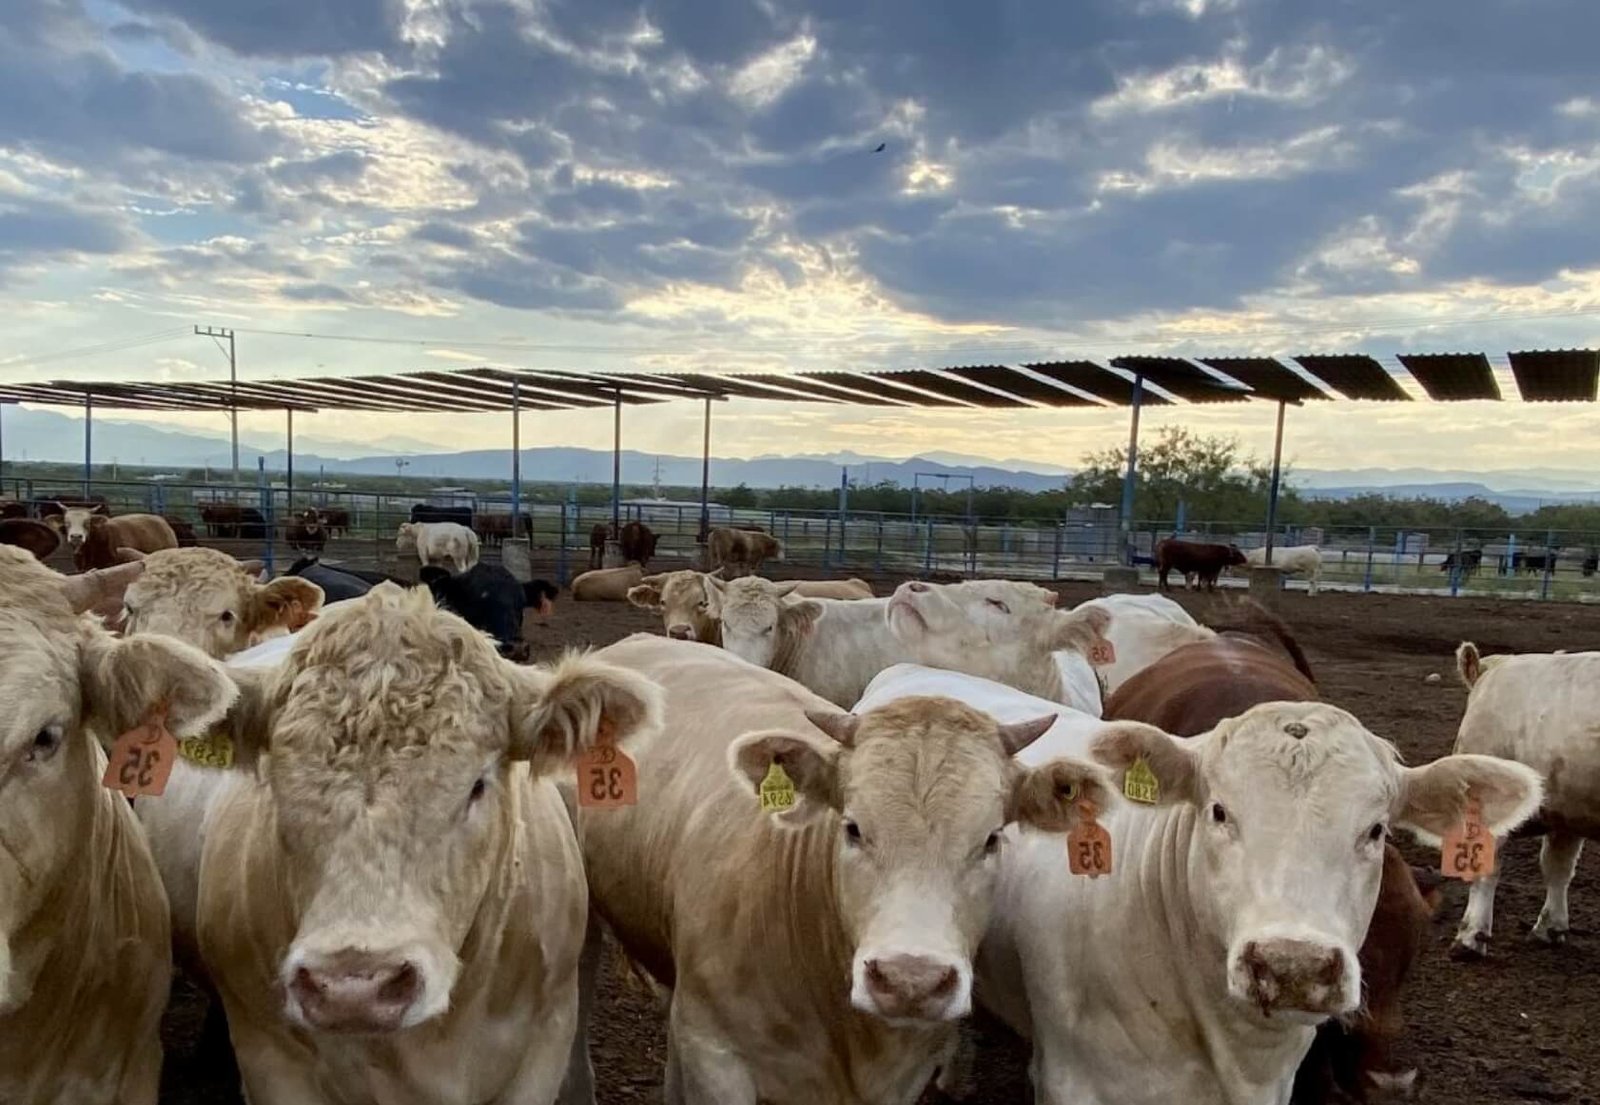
pixel 1558 565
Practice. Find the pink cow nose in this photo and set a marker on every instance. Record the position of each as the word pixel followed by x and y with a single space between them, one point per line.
pixel 1294 975
pixel 680 632
pixel 355 992
pixel 911 987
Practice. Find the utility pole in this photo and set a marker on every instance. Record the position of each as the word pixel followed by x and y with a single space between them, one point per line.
pixel 215 333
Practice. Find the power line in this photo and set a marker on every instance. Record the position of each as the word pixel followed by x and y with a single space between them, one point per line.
pixel 116 345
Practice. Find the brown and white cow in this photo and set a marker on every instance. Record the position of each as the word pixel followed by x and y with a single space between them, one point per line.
pixel 85 957
pixel 819 952
pixel 95 539
pixel 395 911
pixel 1538 709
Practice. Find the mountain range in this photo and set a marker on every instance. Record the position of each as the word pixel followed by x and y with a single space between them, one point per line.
pixel 44 435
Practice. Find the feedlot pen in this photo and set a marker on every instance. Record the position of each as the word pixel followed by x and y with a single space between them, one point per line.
pixel 1514 1029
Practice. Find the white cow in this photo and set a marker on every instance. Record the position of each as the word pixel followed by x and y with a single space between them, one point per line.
pixel 996 628
pixel 1229 927
pixel 1303 560
pixel 1143 629
pixel 447 545
pixel 1540 710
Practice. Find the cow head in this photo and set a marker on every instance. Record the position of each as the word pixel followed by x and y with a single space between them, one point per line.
pixel 1291 803
pixel 74 523
pixel 65 681
pixel 405 538
pixel 214 602
pixel 689 603
pixel 761 623
pixel 395 735
pixel 916 794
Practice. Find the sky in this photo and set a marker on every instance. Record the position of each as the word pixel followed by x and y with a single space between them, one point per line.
pixel 606 184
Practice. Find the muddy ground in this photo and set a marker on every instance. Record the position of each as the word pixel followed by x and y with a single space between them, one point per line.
pixel 1514 1029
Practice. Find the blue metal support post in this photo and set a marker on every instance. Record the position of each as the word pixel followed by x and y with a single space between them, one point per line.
pixel 1131 475
pixel 516 459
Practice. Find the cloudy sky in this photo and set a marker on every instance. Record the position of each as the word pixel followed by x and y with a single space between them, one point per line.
pixel 698 183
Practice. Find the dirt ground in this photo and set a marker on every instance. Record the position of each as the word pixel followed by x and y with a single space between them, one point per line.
pixel 1513 1029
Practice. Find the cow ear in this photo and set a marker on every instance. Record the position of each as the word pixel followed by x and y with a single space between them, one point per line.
pixel 559 712
pixel 56 522
pixel 1433 798
pixel 810 766
pixel 1174 762
pixel 289 601
pixel 1052 797
pixel 800 617
pixel 647 596
pixel 127 680
pixel 786 587
pixel 1079 630
pixel 98 521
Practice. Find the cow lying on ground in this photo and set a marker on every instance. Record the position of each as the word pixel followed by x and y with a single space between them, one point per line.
pixel 1537 709
pixel 1303 560
pixel 1195 560
pixel 740 552
pixel 491 599
pixel 995 628
pixel 1237 900
pixel 395 911
pixel 447 545
pixel 1193 690
pixel 85 955
pixel 95 538
pixel 820 952
pixel 607 584
pixel 690 603
pixel 36 537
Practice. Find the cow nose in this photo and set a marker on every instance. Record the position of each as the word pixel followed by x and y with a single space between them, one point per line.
pixel 355 992
pixel 918 588
pixel 1293 975
pixel 913 987
pixel 680 633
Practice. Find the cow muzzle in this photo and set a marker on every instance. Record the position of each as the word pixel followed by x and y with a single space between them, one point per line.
pixel 354 992
pixel 915 988
pixel 681 632
pixel 1295 977
pixel 74 539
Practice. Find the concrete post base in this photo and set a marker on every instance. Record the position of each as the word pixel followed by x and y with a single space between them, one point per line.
pixel 702 557
pixel 613 556
pixel 517 558
pixel 1266 585
pixel 1120 580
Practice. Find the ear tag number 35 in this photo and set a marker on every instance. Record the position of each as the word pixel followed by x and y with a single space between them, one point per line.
pixel 607 779
pixel 1467 851
pixel 1088 845
pixel 141 759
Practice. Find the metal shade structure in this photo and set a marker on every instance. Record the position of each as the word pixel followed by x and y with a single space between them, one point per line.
pixel 1354 375
pixel 1452 377
pixel 1556 375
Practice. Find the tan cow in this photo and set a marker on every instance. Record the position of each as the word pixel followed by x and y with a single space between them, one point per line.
pixel 690 602
pixel 607 584
pixel 823 952
pixel 95 539
pixel 394 912
pixel 741 552
pixel 85 960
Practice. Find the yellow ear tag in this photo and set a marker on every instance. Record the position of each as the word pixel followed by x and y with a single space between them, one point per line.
pixel 777 790
pixel 1139 784
pixel 212 750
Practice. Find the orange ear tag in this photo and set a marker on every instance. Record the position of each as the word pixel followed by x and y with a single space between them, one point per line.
pixel 141 759
pixel 1102 654
pixel 1088 845
pixel 1467 851
pixel 607 779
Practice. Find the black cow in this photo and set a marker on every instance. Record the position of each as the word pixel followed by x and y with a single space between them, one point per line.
pixel 490 599
pixel 337 584
pixel 1536 563
pixel 422 512
pixel 1591 563
pixel 252 526
pixel 1469 560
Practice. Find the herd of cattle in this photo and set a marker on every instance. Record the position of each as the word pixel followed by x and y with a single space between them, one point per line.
pixel 825 823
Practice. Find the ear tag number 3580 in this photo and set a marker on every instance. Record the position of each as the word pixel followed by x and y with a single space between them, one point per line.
pixel 607 779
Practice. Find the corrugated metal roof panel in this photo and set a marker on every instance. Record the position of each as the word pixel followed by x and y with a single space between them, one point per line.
pixel 1354 375
pixel 877 387
pixel 1268 378
pixel 1556 375
pixel 1177 376
pixel 1092 378
pixel 1020 384
pixel 1452 377
pixel 954 388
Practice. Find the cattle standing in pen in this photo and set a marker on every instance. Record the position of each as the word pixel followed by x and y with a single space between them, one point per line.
pixel 1195 560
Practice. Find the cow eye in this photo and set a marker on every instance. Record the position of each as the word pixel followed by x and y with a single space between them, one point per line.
pixel 702 604
pixel 477 791
pixel 1000 606
pixel 45 743
pixel 1376 832
pixel 992 845
pixel 1218 814
pixel 852 833
pixel 226 617
pixel 767 632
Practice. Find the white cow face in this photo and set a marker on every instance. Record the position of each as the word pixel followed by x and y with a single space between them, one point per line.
pixel 75 523
pixel 760 623
pixel 689 603
pixel 214 602
pixel 1291 803
pixel 393 728
pixel 916 794
pixel 62 684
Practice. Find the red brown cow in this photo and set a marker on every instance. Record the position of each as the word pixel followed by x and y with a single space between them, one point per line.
pixel 103 537
pixel 10 508
pixel 307 533
pixel 638 544
pixel 1187 692
pixel 221 519
pixel 492 529
pixel 25 533
pixel 1195 560
pixel 183 530
pixel 740 552
pixel 597 544
pixel 335 519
